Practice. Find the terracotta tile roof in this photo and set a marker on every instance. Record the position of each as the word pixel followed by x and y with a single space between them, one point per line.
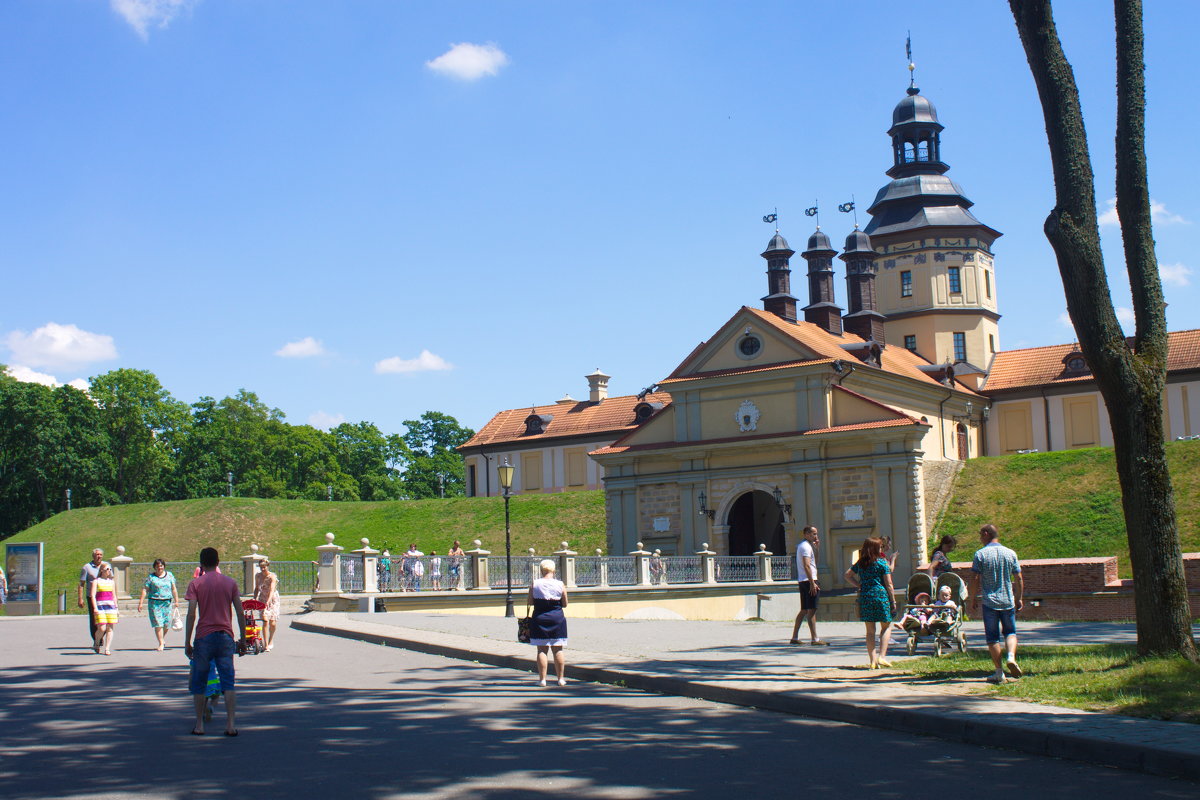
pixel 617 447
pixel 1043 366
pixel 612 417
pixel 825 346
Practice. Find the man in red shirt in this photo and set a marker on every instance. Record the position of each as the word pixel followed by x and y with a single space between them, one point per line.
pixel 211 597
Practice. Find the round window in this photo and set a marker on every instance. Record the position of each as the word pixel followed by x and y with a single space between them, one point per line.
pixel 749 346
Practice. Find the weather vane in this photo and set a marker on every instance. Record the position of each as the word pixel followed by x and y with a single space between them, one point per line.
pixel 846 208
pixel 812 212
pixel 774 217
pixel 912 78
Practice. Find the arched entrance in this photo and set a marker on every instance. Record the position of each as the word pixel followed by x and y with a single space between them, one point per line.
pixel 754 519
pixel 961 435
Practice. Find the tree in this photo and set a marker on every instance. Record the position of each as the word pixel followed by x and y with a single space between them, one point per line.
pixel 141 420
pixel 431 442
pixel 1130 374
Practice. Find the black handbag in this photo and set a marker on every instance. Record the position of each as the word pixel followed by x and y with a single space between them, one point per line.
pixel 523 626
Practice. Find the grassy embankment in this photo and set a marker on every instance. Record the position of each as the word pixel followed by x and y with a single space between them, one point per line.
pixel 1102 677
pixel 1061 505
pixel 291 529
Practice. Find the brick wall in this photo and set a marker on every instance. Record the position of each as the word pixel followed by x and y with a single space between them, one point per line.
pixel 658 500
pixel 851 487
pixel 1079 589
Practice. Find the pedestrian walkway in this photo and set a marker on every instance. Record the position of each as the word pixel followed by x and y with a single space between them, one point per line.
pixel 750 664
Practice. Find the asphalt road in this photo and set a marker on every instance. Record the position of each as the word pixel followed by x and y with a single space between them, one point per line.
pixel 323 717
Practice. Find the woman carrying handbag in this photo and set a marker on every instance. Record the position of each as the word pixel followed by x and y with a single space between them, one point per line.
pixel 548 624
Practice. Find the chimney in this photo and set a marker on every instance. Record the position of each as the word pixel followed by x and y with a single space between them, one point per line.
pixel 821 309
pixel 779 300
pixel 863 319
pixel 597 386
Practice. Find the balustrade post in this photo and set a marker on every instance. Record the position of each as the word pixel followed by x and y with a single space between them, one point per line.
pixel 120 564
pixel 566 565
pixel 370 566
pixel 641 565
pixel 708 564
pixel 250 569
pixel 603 567
pixel 329 567
pixel 478 565
pixel 535 565
pixel 764 563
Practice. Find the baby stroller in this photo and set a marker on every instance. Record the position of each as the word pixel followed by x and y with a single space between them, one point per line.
pixel 255 643
pixel 944 628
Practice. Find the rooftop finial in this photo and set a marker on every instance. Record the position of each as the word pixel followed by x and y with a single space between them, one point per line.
pixel 846 208
pixel 912 78
pixel 814 212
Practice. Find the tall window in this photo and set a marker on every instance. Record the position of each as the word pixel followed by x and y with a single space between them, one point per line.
pixel 905 283
pixel 910 342
pixel 960 347
pixel 987 283
pixel 991 342
pixel 955 274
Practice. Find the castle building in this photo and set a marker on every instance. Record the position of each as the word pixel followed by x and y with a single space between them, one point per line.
pixel 855 421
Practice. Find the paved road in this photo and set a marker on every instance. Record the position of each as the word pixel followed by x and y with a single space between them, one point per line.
pixel 326 717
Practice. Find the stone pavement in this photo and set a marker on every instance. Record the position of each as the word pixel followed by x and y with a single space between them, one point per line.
pixel 750 664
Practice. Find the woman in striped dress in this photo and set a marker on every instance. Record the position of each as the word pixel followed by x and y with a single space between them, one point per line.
pixel 104 600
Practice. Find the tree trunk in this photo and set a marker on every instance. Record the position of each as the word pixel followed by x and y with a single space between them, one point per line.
pixel 1130 378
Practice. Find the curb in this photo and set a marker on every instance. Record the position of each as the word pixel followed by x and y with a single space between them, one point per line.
pixel 1125 755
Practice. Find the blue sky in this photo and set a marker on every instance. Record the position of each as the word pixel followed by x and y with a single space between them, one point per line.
pixel 332 205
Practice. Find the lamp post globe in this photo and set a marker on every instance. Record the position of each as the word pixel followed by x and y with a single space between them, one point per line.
pixel 505 472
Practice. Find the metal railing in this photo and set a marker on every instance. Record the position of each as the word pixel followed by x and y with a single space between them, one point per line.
pixel 524 568
pixel 679 569
pixel 783 569
pixel 621 571
pixel 352 573
pixel 295 577
pixel 733 569
pixel 587 570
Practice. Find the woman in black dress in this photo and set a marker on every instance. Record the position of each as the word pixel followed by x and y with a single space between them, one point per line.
pixel 548 629
pixel 939 562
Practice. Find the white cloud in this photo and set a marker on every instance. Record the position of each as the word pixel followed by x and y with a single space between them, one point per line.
pixel 1158 214
pixel 142 15
pixel 27 375
pixel 325 421
pixel 54 345
pixel 426 362
pixel 1064 319
pixel 469 62
pixel 1125 317
pixel 304 348
pixel 1175 274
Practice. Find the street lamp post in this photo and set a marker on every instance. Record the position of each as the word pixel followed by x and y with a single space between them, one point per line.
pixel 505 471
pixel 229 478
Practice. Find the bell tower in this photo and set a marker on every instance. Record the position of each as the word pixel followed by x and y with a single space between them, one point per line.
pixel 936 281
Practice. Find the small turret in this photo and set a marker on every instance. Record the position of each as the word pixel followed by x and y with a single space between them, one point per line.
pixel 863 319
pixel 779 300
pixel 821 309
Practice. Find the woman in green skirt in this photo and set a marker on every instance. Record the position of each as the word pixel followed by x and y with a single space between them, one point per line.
pixel 164 598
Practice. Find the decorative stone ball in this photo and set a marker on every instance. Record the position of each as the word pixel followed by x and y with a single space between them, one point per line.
pixel 599 552
pixel 120 549
pixel 641 546
pixel 657 552
pixel 253 548
pixel 704 545
pixel 532 551
pixel 365 542
pixel 564 545
pixel 478 543
pixel 329 538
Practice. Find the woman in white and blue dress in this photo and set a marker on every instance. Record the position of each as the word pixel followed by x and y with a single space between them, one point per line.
pixel 548 629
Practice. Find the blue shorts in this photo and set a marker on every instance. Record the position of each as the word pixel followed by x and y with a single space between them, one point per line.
pixel 217 649
pixel 994 620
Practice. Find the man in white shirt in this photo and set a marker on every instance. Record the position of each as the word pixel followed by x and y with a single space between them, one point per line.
pixel 810 589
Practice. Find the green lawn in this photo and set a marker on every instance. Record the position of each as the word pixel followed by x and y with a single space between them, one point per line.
pixel 1061 505
pixel 1102 677
pixel 291 529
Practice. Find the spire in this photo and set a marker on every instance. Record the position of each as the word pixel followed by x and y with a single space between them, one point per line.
pixel 779 300
pixel 821 309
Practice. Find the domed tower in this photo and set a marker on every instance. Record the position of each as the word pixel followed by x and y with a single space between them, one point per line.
pixel 863 319
pixel 936 286
pixel 779 299
pixel 821 309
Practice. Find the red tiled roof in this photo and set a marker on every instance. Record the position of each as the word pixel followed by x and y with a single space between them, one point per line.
pixel 1043 366
pixel 617 447
pixel 613 417
pixel 826 347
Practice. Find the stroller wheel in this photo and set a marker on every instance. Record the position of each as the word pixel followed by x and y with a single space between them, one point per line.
pixel 937 647
pixel 911 647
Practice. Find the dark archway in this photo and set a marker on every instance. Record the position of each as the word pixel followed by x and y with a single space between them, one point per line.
pixel 961 434
pixel 754 519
